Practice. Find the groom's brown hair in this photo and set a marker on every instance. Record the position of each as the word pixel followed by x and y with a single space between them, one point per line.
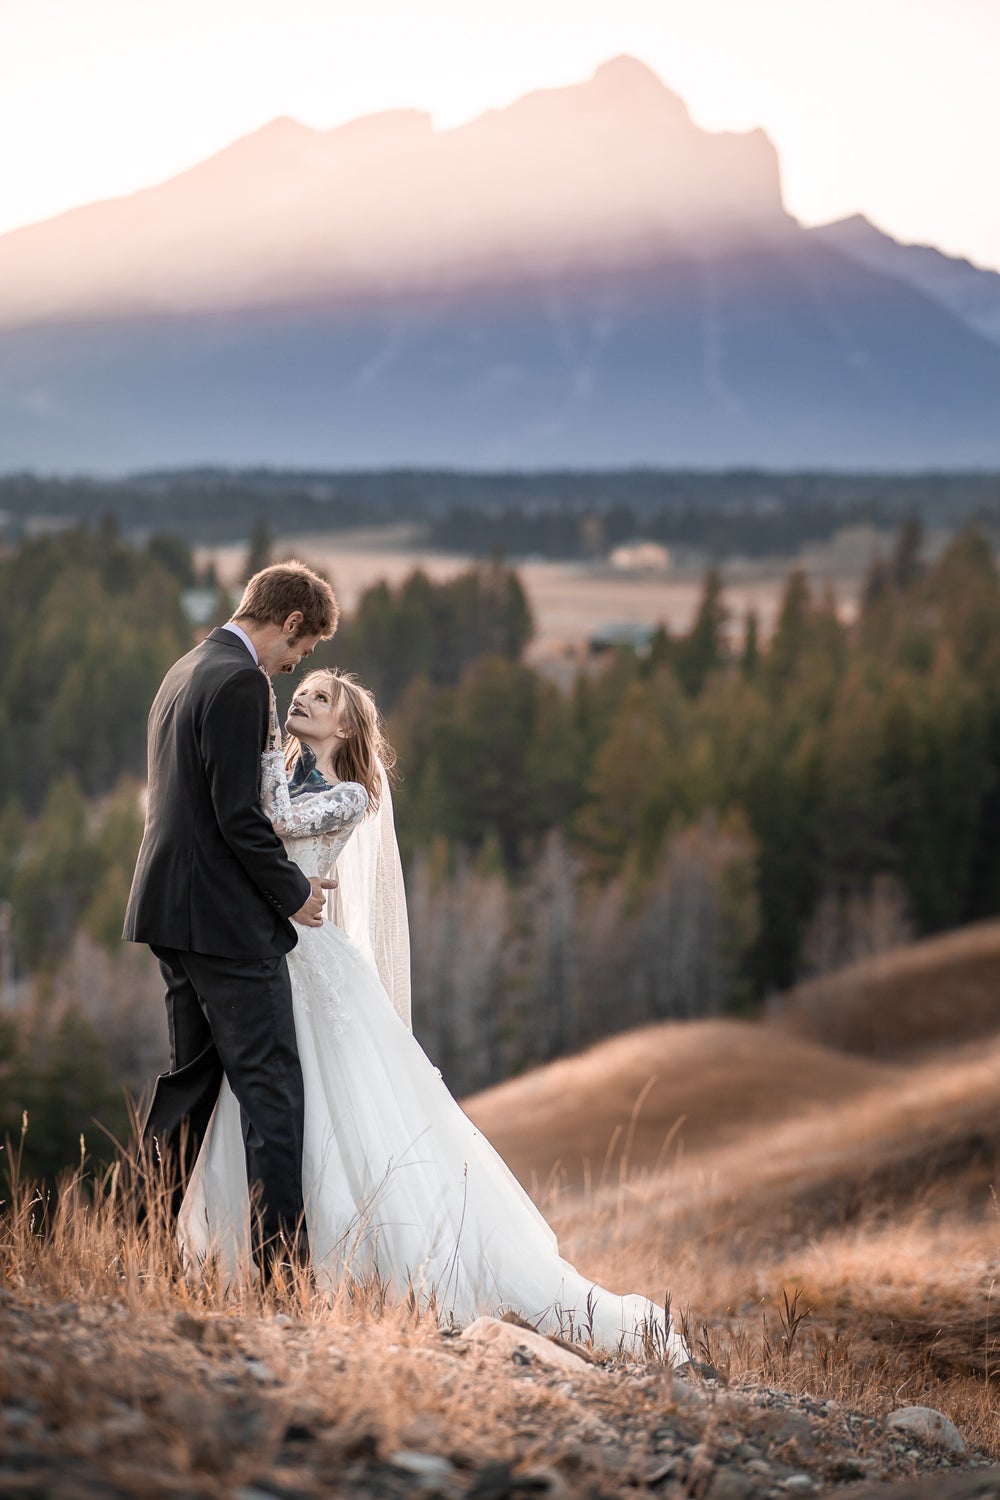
pixel 278 591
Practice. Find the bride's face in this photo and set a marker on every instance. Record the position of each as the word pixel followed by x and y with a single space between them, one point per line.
pixel 315 716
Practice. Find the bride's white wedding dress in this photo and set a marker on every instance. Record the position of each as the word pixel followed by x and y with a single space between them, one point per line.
pixel 398 1182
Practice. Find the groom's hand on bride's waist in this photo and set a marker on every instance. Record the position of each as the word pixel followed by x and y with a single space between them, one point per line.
pixel 311 915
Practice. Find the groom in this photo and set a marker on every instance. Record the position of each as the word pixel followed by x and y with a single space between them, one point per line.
pixel 215 896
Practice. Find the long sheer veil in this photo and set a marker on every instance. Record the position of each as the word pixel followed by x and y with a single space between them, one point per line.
pixel 369 902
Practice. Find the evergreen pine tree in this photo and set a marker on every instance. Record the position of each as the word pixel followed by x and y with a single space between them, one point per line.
pixel 259 550
pixel 702 651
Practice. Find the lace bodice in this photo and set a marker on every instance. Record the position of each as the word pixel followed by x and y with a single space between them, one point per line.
pixel 369 903
pixel 314 827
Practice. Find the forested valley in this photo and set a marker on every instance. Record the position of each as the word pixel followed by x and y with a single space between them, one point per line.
pixel 682 832
pixel 570 514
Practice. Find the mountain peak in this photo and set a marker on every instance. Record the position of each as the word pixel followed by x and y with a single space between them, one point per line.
pixel 385 125
pixel 627 71
pixel 611 170
pixel 629 81
pixel 282 125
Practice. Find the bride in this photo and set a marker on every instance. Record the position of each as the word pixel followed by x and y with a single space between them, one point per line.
pixel 398 1182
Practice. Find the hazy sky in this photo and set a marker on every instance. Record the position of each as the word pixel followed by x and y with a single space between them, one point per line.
pixel 887 107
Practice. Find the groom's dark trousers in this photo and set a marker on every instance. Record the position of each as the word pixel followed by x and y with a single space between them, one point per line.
pixel 212 895
pixel 233 1016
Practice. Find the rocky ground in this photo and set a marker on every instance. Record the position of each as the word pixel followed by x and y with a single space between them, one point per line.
pixel 108 1399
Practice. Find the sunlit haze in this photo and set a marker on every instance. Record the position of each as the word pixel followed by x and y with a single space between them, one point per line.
pixel 885 107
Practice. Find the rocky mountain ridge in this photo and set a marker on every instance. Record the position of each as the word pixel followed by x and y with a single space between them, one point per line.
pixel 585 279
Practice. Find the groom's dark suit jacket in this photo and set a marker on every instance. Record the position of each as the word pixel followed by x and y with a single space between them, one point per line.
pixel 212 876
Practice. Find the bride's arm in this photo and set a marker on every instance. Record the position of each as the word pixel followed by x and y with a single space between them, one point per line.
pixel 319 812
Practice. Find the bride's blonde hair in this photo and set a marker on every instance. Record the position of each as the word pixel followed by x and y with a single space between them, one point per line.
pixel 364 747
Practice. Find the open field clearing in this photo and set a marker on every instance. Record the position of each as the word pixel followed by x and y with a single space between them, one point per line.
pixel 570 600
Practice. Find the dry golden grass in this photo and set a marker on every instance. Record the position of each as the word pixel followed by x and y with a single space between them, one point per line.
pixel 153 1383
pixel 100 1322
pixel 824 1223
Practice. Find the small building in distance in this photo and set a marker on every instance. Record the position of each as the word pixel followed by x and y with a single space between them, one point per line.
pixel 640 556
pixel 622 634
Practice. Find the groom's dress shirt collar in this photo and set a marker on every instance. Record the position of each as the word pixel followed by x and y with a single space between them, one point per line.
pixel 248 643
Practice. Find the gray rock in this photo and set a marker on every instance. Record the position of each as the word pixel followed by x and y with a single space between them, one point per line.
pixel 799 1484
pixel 125 1426
pixel 524 1347
pixel 17 1419
pixel 492 1483
pixel 699 1368
pixel 930 1425
pixel 687 1395
pixel 761 1468
pixel 426 1466
pixel 730 1484
pixel 795 1426
pixel 187 1327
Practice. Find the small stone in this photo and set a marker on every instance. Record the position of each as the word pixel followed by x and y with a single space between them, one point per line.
pixel 16 1418
pixel 700 1368
pixel 492 1483
pixel 929 1425
pixel 701 1456
pixel 125 1426
pixel 243 1425
pixel 426 1466
pixel 187 1327
pixel 799 1484
pixel 797 1428
pixel 730 1484
pixel 524 1347
pixel 746 1451
pixel 662 1471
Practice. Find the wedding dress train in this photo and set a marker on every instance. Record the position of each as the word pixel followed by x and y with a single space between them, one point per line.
pixel 398 1182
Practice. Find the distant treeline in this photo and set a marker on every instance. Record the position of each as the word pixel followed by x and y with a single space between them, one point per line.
pixel 555 514
pixel 683 831
pixel 771 528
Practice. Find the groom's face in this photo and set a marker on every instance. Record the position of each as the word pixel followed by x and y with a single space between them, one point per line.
pixel 294 652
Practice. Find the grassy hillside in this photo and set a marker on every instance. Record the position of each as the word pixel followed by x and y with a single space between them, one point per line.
pixel 940 991
pixel 728 1161
pixel 652 1097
